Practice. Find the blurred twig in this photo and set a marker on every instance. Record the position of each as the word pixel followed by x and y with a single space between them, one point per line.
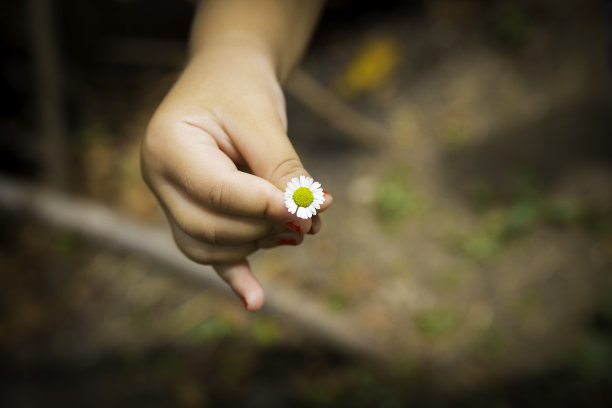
pixel 47 68
pixel 301 85
pixel 323 103
pixel 95 221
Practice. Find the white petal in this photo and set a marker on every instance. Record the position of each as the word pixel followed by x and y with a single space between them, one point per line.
pixel 317 191
pixel 316 185
pixel 292 209
pixel 303 213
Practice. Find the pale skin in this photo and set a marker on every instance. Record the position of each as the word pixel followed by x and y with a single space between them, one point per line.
pixel 216 152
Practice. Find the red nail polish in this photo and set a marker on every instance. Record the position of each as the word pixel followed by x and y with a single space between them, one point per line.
pixel 244 302
pixel 293 227
pixel 287 241
pixel 325 192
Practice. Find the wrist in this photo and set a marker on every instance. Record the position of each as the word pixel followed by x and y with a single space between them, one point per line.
pixel 238 47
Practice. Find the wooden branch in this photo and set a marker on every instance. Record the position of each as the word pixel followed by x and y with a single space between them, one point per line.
pixel 100 223
pixel 323 103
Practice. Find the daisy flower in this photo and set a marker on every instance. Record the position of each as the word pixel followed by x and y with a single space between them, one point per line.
pixel 304 196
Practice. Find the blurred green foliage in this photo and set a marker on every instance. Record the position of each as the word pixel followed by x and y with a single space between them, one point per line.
pixel 450 279
pixel 455 136
pixel 94 133
pixel 512 26
pixel 168 366
pixel 437 321
pixel 139 319
pixel 395 198
pixel 356 387
pixel 594 356
pixel 217 327
pixel 480 247
pixel 338 300
pixel 67 243
pixel 265 331
pixel 492 347
pixel 506 217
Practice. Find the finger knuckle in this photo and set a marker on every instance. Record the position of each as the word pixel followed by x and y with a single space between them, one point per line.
pixel 212 257
pixel 214 235
pixel 155 136
pixel 208 234
pixel 153 149
pixel 196 254
pixel 217 194
pixel 286 168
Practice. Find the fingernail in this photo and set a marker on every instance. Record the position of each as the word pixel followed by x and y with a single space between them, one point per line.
pixel 325 192
pixel 287 241
pixel 293 226
pixel 244 302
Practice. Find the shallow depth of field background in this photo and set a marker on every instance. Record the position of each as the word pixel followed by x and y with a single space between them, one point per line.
pixel 466 260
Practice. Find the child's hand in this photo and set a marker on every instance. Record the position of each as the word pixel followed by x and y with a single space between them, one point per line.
pixel 226 114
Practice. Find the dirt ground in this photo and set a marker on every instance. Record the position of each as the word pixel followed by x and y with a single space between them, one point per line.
pixel 472 244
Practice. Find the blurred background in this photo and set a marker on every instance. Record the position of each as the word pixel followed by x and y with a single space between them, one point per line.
pixel 466 260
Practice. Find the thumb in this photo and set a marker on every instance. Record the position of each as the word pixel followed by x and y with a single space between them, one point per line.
pixel 264 145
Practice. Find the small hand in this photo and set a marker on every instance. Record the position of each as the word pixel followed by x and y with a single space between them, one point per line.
pixel 217 157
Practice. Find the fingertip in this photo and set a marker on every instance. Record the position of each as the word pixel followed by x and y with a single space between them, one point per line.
pixel 275 240
pixel 277 211
pixel 316 225
pixel 254 300
pixel 299 226
pixel 242 281
pixel 328 201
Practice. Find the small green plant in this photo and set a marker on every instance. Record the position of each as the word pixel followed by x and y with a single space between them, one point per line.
pixel 510 216
pixel 437 321
pixel 265 331
pixel 337 300
pixel 214 328
pixel 513 27
pixel 395 200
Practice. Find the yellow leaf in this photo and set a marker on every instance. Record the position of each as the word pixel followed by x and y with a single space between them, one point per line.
pixel 370 67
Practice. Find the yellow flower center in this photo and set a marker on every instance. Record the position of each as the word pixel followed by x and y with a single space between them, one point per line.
pixel 303 197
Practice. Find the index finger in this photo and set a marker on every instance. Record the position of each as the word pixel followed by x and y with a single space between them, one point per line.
pixel 210 178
